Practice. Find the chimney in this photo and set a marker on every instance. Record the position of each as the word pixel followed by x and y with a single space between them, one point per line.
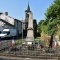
pixel 6 13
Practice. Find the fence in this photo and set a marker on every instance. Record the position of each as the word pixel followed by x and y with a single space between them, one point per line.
pixel 29 51
pixel 25 51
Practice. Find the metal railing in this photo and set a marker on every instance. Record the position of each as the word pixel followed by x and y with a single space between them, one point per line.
pixel 26 51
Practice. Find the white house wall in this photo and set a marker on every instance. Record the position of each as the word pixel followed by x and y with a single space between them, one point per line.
pixel 1 27
pixel 8 27
pixel 5 26
pixel 14 22
pixel 0 23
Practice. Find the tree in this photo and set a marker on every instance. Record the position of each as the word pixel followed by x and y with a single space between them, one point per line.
pixel 40 26
pixel 53 16
pixel 35 27
pixel 53 12
pixel 50 24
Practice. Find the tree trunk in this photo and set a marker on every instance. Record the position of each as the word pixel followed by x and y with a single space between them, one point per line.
pixel 51 41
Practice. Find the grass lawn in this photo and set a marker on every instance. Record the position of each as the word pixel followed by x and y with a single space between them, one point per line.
pixel 20 41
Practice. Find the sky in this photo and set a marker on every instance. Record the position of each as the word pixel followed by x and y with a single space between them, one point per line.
pixel 16 8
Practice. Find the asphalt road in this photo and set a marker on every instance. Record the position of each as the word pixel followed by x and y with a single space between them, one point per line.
pixel 18 58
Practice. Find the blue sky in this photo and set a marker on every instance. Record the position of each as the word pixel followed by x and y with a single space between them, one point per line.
pixel 16 8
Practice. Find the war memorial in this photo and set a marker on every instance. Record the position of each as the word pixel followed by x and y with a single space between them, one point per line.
pixel 28 49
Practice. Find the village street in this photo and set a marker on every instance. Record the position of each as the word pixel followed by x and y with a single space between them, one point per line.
pixel 18 58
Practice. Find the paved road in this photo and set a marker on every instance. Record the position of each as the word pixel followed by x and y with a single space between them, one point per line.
pixel 17 58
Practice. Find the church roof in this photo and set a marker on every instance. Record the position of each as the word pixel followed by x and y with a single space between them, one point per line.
pixel 6 22
pixel 28 8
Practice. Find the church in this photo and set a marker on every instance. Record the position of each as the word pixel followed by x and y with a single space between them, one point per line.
pixel 25 22
pixel 7 22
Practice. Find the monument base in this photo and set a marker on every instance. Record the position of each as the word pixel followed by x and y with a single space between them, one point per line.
pixel 29 41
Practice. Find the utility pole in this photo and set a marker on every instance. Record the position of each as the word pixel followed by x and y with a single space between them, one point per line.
pixel 22 29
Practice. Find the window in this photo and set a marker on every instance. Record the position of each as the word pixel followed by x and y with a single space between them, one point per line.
pixel 27 15
pixel 0 32
pixel 6 32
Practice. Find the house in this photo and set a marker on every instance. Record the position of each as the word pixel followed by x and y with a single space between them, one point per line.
pixel 7 22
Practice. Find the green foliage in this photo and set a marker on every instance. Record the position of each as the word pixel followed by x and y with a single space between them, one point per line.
pixel 41 41
pixel 49 25
pixel 53 12
pixel 57 2
pixel 40 25
pixel 18 42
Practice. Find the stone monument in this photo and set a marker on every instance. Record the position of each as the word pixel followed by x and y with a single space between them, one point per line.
pixel 30 29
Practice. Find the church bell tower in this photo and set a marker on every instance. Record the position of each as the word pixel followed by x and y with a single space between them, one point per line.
pixel 27 16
